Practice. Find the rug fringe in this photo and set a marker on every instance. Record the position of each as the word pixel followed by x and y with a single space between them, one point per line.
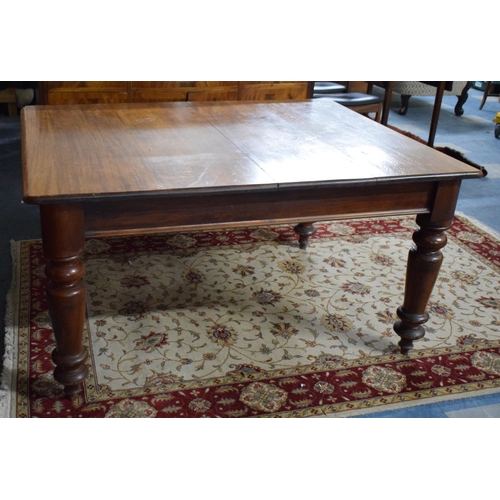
pixel 8 377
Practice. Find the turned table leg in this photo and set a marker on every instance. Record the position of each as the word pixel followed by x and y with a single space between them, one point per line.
pixel 424 262
pixel 63 241
pixel 305 230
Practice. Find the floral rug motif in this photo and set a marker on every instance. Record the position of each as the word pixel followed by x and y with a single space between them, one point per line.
pixel 242 323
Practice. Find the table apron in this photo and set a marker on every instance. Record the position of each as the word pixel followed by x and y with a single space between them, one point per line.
pixel 310 204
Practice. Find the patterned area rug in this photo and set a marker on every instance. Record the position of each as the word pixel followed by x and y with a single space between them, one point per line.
pixel 242 323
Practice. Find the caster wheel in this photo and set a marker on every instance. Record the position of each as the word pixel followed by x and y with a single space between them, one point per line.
pixel 497 131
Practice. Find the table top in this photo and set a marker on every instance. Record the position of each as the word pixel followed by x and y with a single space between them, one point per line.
pixel 85 152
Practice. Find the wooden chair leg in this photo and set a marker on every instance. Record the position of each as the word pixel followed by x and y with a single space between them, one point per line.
pixel 435 113
pixel 405 100
pixel 12 108
pixel 386 105
pixel 462 98
pixel 8 96
pixel 486 93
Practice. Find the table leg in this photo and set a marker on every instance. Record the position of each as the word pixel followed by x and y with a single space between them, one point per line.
pixel 424 262
pixel 305 230
pixel 63 238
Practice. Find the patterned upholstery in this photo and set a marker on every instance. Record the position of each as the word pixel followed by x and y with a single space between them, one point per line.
pixel 408 89
pixel 422 89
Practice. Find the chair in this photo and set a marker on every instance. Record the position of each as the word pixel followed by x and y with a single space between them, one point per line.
pixel 408 89
pixel 357 101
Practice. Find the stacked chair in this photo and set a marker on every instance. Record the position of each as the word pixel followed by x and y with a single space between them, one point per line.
pixel 357 101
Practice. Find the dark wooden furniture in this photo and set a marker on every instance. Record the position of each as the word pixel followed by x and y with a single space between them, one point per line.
pixel 123 168
pixel 8 96
pixel 93 92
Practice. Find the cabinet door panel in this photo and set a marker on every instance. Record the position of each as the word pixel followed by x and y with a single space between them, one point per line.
pixel 181 85
pixel 98 86
pixel 273 91
pixel 213 96
pixel 182 93
pixel 86 97
pixel 158 95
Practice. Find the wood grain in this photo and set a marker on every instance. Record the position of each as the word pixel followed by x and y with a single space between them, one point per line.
pixel 167 91
pixel 85 152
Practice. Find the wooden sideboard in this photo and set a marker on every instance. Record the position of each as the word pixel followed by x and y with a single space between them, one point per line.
pixel 116 92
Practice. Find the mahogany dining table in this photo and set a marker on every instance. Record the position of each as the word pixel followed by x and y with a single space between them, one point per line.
pixel 113 169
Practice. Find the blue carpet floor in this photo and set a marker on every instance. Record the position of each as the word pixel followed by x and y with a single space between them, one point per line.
pixel 476 407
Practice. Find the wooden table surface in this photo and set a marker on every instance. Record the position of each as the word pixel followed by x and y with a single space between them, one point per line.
pixel 148 167
pixel 83 152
